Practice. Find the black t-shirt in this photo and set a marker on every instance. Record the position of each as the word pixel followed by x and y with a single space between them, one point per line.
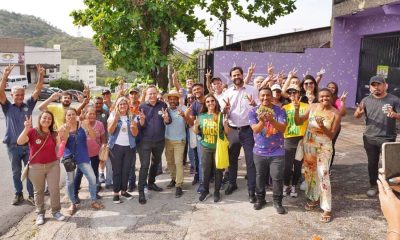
pixel 377 122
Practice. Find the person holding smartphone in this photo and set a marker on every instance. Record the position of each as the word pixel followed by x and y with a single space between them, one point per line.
pixel 380 111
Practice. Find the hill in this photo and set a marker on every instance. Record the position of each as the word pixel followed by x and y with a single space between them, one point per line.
pixel 39 33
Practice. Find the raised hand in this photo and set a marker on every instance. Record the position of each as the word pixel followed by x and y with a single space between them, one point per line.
pixel 305 74
pixel 208 74
pixel 28 122
pixel 320 121
pixel 41 71
pixel 321 72
pixel 270 69
pixel 344 96
pixel 390 112
pixel 196 122
pixel 55 96
pixel 164 114
pixel 86 92
pixel 360 107
pixel 189 110
pixel 252 102
pixel 292 73
pixel 296 103
pixel 117 115
pixel 251 69
pixel 227 107
pixel 7 71
pixel 133 123
pixel 262 117
pixel 79 97
pixel 174 74
pixel 180 112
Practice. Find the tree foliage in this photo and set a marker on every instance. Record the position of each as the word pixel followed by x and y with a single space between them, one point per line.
pixel 136 34
pixel 186 67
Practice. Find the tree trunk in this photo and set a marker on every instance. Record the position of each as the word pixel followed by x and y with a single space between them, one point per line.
pixel 162 74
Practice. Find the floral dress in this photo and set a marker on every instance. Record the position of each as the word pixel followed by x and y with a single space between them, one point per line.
pixel 317 157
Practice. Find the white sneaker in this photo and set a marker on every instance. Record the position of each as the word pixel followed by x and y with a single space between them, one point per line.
pixel 40 219
pixel 286 190
pixel 293 192
pixel 303 186
pixel 59 216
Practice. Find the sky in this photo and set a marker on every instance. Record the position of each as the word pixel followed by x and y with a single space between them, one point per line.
pixel 309 14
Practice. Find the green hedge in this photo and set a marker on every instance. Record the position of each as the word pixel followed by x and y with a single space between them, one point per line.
pixel 65 84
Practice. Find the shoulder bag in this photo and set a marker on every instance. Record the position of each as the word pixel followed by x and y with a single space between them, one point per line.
pixel 221 151
pixel 69 161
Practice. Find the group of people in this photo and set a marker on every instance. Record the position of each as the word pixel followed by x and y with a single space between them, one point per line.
pixel 283 124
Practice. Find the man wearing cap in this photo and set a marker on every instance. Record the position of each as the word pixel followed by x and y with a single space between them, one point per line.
pixel 292 135
pixel 380 110
pixel 107 103
pixel 175 140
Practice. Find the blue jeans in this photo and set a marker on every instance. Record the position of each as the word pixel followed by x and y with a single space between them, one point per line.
pixel 16 155
pixel 87 170
pixel 109 173
pixel 94 162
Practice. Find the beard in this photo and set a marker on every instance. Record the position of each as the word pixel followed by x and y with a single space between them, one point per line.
pixel 66 104
pixel 238 81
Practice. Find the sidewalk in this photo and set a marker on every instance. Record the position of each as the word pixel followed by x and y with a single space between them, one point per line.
pixel 355 216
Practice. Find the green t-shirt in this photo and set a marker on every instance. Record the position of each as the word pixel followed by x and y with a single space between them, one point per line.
pixel 208 130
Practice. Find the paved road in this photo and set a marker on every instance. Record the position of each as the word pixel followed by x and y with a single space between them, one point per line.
pixel 355 216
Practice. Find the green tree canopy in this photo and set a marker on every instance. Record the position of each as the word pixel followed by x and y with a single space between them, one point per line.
pixel 136 34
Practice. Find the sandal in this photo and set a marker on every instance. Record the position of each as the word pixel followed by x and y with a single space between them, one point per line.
pixel 96 205
pixel 72 209
pixel 326 217
pixel 310 206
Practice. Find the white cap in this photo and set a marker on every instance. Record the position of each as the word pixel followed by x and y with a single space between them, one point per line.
pixel 276 87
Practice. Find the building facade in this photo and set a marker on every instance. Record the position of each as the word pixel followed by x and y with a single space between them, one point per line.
pixel 364 41
pixel 84 73
pixel 49 58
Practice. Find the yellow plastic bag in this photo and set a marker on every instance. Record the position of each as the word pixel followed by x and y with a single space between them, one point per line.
pixel 221 152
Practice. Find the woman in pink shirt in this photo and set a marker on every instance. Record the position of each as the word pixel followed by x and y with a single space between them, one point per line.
pixel 93 145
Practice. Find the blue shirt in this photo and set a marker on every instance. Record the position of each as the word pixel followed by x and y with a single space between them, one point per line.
pixel 154 127
pixel 15 118
pixel 269 142
pixel 80 151
pixel 176 131
pixel 196 108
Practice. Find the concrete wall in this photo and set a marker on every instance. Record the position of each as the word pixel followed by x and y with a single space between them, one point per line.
pixel 64 67
pixel 351 6
pixel 12 45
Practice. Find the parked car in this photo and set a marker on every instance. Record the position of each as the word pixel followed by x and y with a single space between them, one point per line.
pixel 45 93
pixel 46 79
pixel 75 94
pixel 55 89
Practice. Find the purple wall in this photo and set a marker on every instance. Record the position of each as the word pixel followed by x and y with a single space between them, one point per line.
pixel 341 61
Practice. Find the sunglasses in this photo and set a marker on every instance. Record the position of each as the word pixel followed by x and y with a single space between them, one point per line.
pixel 190 97
pixel 308 83
pixel 291 92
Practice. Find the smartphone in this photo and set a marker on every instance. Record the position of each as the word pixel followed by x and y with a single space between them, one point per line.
pixel 391 160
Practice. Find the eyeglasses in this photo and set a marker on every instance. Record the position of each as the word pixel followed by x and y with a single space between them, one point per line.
pixel 309 83
pixel 291 92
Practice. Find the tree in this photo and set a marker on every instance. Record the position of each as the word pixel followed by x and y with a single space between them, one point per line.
pixel 187 68
pixel 136 34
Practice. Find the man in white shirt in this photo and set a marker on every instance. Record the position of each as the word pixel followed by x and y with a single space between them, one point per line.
pixel 236 103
